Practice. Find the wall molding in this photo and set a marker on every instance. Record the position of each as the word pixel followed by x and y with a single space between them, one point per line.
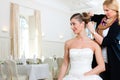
pixel 5 37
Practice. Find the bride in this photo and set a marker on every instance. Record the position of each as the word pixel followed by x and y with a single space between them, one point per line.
pixel 79 53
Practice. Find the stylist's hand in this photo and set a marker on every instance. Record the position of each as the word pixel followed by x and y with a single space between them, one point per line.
pixel 91 13
pixel 90 26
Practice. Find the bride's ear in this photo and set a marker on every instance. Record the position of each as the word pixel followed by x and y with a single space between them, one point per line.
pixel 83 24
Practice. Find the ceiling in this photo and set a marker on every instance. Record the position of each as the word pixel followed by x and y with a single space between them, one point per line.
pixel 81 5
pixel 76 5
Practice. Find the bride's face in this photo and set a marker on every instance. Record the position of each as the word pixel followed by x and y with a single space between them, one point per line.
pixel 76 26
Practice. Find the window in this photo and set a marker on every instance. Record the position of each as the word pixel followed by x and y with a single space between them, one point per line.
pixel 25 32
pixel 28 36
pixel 24 37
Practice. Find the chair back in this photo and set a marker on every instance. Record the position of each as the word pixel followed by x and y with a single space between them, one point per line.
pixel 13 68
pixel 38 61
pixel 50 63
pixel 59 62
pixel 7 70
pixel 30 61
pixel 1 73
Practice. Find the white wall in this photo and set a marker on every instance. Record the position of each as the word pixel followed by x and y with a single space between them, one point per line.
pixel 4 24
pixel 54 22
pixel 51 48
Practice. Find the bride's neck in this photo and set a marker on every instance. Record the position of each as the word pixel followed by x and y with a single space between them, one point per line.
pixel 81 35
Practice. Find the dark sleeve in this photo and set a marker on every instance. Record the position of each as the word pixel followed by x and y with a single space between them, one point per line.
pixel 112 36
pixel 97 18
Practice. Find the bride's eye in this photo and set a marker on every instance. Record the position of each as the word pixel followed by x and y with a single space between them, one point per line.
pixel 72 24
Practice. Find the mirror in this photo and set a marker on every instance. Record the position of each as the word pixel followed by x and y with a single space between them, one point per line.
pixel 26 32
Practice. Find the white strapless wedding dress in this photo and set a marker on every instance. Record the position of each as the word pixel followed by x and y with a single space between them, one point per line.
pixel 80 62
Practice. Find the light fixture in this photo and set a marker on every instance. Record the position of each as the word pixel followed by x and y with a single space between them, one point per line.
pixel 61 36
pixel 4 29
pixel 43 34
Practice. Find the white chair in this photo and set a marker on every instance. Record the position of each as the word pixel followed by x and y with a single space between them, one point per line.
pixel 38 61
pixel 7 70
pixel 13 71
pixel 59 62
pixel 30 61
pixel 50 63
pixel 55 67
pixel 2 76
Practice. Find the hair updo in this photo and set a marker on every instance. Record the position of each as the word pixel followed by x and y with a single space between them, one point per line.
pixel 81 17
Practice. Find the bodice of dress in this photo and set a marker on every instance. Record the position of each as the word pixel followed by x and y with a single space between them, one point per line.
pixel 80 60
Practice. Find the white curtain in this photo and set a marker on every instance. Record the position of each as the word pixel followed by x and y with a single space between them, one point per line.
pixel 38 30
pixel 14 31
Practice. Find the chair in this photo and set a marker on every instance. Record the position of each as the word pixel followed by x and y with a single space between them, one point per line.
pixel 38 61
pixel 2 76
pixel 1 73
pixel 50 63
pixel 59 62
pixel 13 71
pixel 30 61
pixel 7 70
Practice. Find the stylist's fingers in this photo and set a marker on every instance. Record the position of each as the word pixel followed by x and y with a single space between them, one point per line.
pixel 90 13
pixel 90 26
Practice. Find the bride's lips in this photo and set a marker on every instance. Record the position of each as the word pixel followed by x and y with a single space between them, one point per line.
pixel 74 29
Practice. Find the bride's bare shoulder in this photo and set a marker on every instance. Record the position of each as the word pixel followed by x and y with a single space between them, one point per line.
pixel 94 44
pixel 70 41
